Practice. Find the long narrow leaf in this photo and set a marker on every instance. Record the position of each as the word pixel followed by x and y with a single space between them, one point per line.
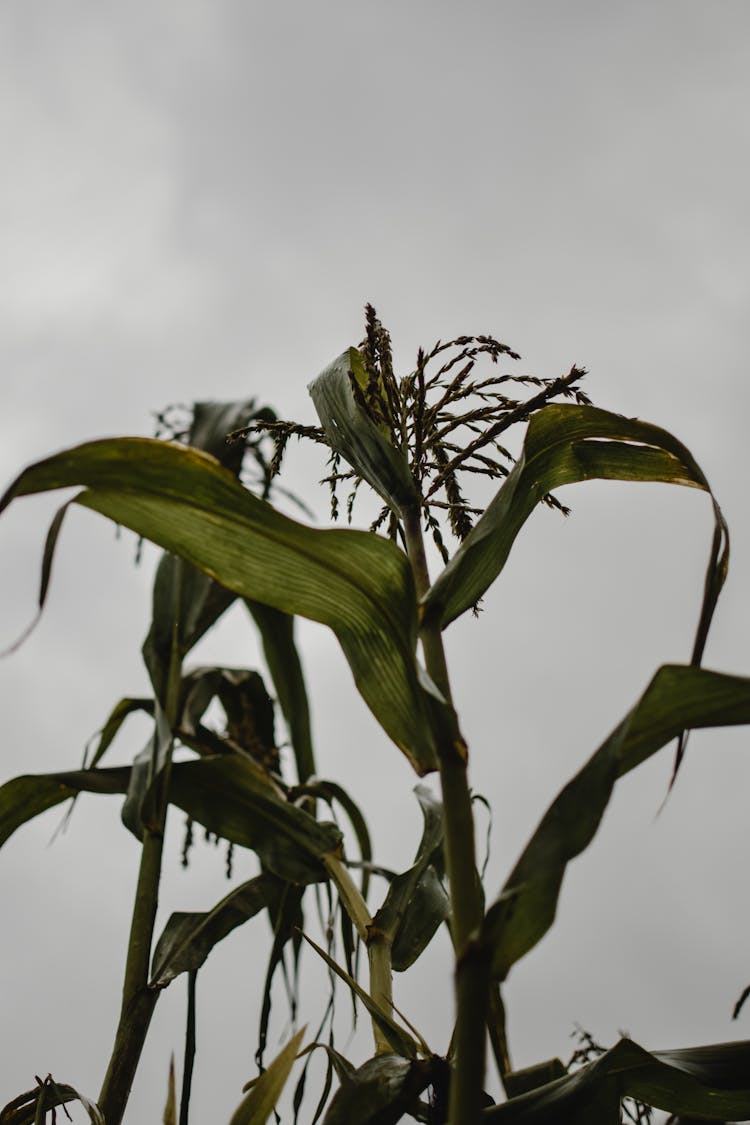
pixel 25 797
pixel 565 444
pixel 679 697
pixel 228 796
pixel 116 718
pixel 401 1042
pixel 257 1107
pixel 235 800
pixel 710 1083
pixel 277 634
pixel 357 583
pixel 188 938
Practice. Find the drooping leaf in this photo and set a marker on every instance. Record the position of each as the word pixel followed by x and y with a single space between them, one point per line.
pixel 401 1042
pixel 235 799
pixel 356 437
pixel 707 1082
pixel 33 1104
pixel 257 1107
pixel 679 697
pixel 417 902
pixel 229 796
pixel 116 718
pixel 25 797
pixel 50 544
pixel 565 444
pixel 188 938
pixel 380 1092
pixel 277 634
pixel 249 711
pixel 198 690
pixel 355 582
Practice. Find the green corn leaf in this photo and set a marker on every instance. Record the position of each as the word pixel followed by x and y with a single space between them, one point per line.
pixel 679 697
pixel 357 583
pixel 198 690
pixel 710 1083
pixel 25 797
pixel 228 795
pixel 565 444
pixel 417 902
pixel 188 938
pixel 235 799
pixel 427 909
pixel 246 703
pixel 365 446
pixel 257 1107
pixel 380 1092
pixel 277 634
pixel 116 718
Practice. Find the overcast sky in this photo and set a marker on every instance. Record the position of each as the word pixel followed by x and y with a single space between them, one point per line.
pixel 197 201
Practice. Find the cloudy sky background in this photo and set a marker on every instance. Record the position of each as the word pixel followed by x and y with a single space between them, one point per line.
pixel 198 199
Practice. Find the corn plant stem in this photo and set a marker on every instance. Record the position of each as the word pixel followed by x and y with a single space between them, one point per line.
pixel 378 946
pixel 381 983
pixel 472 967
pixel 138 999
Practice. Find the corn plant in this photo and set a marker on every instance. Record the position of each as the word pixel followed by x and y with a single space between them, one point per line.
pixel 418 442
